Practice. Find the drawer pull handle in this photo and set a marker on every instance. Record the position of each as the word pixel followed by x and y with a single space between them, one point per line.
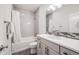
pixel 65 53
pixel 39 45
pixel 47 51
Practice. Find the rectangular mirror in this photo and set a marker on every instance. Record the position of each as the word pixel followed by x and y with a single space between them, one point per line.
pixel 64 18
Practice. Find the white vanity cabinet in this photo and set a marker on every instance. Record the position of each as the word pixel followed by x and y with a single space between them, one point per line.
pixel 45 47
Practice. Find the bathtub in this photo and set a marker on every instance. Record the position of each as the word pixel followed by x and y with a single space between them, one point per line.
pixel 23 44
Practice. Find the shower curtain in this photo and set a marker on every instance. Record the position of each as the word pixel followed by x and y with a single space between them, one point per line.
pixel 16 25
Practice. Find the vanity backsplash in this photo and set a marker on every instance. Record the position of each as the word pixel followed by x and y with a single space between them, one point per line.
pixel 70 35
pixel 66 34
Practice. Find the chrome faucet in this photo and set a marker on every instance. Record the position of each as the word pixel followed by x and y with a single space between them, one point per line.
pixel 56 32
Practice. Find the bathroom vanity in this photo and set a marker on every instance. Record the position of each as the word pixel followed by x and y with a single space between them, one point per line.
pixel 56 45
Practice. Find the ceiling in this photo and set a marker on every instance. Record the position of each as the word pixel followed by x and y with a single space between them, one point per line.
pixel 29 7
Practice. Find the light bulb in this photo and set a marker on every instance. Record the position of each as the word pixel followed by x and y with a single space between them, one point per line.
pixel 52 7
pixel 22 13
pixel 58 5
pixel 28 23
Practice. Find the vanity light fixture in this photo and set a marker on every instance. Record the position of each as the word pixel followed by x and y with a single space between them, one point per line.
pixel 52 7
pixel 58 5
pixel 48 9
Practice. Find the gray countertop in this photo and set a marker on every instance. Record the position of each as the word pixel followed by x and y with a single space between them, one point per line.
pixel 62 41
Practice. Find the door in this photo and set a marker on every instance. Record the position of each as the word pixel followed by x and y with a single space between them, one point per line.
pixel 38 46
pixel 5 38
pixel 43 49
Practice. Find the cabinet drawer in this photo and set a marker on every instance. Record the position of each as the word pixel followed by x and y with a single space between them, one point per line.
pixel 65 51
pixel 52 52
pixel 53 46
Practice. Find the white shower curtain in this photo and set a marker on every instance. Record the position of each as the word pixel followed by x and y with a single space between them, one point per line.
pixel 16 25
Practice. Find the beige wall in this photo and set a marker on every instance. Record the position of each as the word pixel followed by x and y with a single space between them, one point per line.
pixel 27 24
pixel 41 19
pixel 5 11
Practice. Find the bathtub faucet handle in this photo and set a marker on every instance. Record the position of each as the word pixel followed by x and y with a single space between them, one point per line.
pixel 3 47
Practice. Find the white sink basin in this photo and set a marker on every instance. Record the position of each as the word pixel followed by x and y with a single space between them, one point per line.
pixel 64 38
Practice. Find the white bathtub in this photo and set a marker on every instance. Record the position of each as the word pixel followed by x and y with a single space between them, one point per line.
pixel 23 44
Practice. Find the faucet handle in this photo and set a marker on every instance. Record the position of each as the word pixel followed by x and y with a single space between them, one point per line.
pixel 3 47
